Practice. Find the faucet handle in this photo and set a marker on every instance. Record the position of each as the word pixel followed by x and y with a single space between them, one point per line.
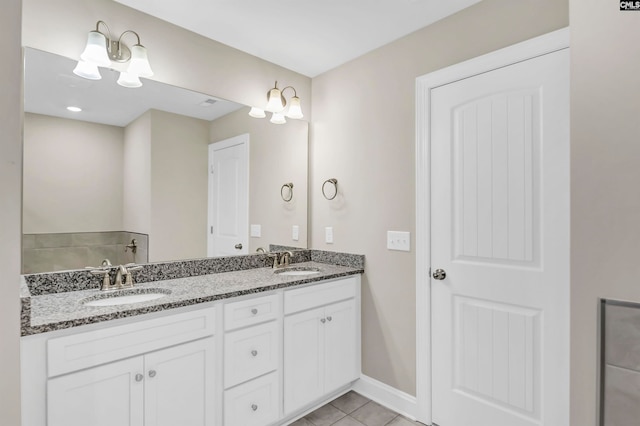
pixel 106 279
pixel 132 267
pixel 128 282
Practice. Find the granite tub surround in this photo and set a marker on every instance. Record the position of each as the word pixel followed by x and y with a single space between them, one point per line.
pixel 62 305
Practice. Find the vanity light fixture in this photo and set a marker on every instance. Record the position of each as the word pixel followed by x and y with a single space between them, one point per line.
pixel 276 105
pixel 102 48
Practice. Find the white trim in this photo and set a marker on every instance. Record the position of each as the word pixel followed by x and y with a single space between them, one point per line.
pixel 390 397
pixel 538 46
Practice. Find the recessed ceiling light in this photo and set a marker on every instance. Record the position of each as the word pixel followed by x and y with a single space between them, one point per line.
pixel 74 109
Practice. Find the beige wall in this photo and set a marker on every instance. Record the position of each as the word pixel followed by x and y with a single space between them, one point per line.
pixel 136 215
pixel 605 176
pixel 178 57
pixel 178 187
pixel 363 135
pixel 10 210
pixel 278 155
pixel 72 176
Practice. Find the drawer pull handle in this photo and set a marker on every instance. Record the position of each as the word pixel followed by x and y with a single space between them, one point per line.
pixel 323 320
pixel 254 311
pixel 329 318
pixel 139 377
pixel 152 373
pixel 254 353
pixel 254 407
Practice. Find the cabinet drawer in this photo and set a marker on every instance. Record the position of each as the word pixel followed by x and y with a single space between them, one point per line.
pixel 250 353
pixel 254 403
pixel 251 311
pixel 88 349
pixel 318 295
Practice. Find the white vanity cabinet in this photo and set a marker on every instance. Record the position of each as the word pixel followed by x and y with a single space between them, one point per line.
pixel 163 388
pixel 256 360
pixel 142 372
pixel 321 341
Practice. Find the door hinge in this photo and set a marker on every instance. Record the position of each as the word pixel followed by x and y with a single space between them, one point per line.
pixel 211 230
pixel 211 169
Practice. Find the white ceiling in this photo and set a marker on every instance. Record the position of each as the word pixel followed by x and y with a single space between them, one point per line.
pixel 50 86
pixel 306 36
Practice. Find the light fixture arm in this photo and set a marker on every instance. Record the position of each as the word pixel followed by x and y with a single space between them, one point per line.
pixel 295 94
pixel 116 49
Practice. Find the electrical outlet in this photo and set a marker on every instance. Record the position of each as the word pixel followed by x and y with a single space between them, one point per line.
pixel 256 230
pixel 397 240
pixel 295 233
pixel 328 235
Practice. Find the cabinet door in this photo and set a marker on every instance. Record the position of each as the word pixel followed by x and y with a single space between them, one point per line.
pixel 108 395
pixel 341 345
pixel 303 358
pixel 179 385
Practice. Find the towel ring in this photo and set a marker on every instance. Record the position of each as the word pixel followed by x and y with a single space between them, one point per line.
pixel 290 197
pixel 334 182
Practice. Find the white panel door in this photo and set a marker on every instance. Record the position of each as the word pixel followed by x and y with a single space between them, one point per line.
pixel 109 395
pixel 179 385
pixel 229 197
pixel 303 358
pixel 500 231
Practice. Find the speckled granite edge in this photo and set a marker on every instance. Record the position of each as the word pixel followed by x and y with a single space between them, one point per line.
pixel 336 258
pixel 27 329
pixel 59 282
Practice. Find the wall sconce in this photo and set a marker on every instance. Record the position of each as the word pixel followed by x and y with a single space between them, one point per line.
pixel 102 48
pixel 276 104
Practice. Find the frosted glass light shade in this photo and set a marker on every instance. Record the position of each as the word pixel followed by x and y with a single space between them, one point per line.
pixel 129 80
pixel 275 103
pixel 257 113
pixel 139 63
pixel 295 111
pixel 95 51
pixel 277 118
pixel 87 70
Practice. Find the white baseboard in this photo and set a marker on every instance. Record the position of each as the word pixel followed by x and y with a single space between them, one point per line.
pixel 390 397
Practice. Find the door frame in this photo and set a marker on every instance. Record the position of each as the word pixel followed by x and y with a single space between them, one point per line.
pixel 243 139
pixel 548 43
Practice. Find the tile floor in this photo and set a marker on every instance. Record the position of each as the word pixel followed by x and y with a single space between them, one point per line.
pixel 352 409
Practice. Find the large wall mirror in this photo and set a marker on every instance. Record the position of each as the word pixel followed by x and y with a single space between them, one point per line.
pixel 145 164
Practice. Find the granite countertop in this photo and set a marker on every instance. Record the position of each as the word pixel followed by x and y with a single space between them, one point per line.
pixel 55 311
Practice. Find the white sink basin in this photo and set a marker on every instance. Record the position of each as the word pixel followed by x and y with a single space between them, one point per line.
pixel 292 271
pixel 125 297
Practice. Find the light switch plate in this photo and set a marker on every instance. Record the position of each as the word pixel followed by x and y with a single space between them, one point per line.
pixel 295 233
pixel 328 235
pixel 256 230
pixel 399 240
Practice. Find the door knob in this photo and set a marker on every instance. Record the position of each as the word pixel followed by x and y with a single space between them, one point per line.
pixel 439 274
pixel 238 246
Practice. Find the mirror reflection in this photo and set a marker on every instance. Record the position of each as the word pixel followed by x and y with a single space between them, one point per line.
pixel 151 174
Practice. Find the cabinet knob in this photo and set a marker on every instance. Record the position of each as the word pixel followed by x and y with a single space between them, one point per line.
pixel 323 320
pixel 254 407
pixel 139 377
pixel 152 373
pixel 329 318
pixel 254 311
pixel 254 353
